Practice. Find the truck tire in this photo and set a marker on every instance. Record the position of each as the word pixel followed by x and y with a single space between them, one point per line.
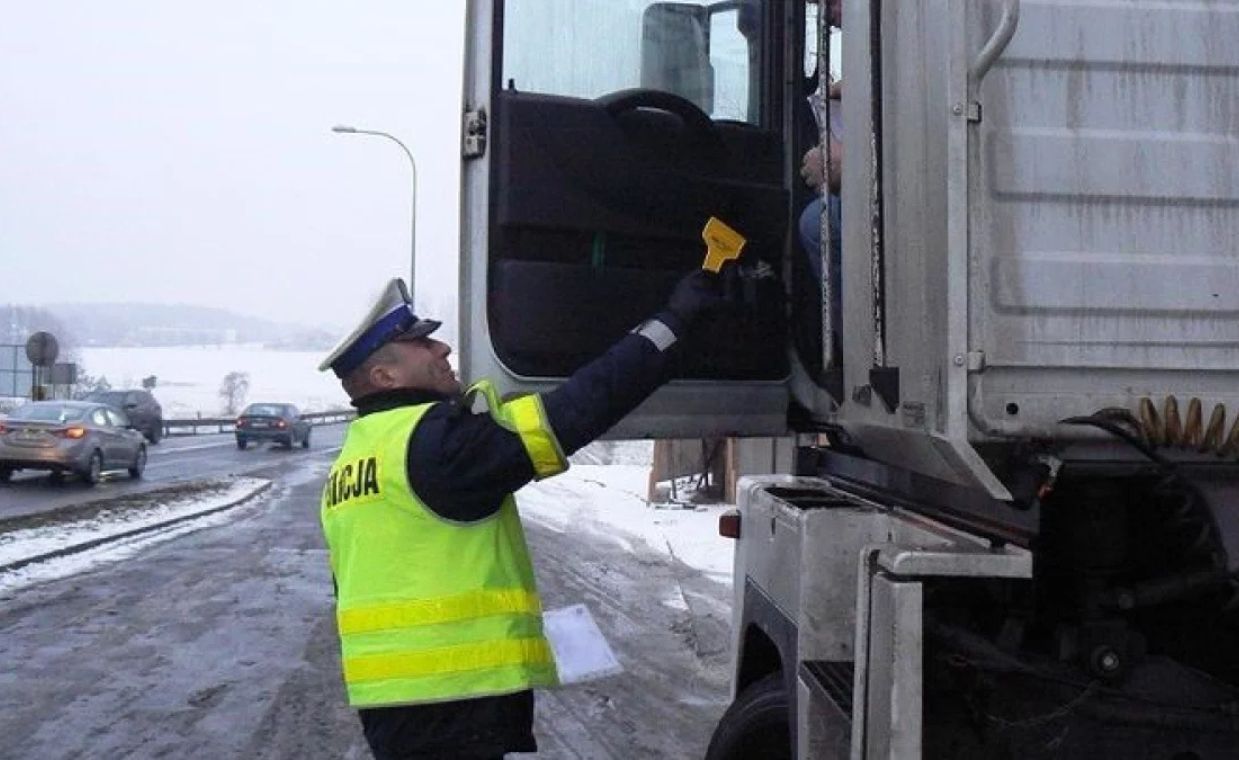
pixel 755 726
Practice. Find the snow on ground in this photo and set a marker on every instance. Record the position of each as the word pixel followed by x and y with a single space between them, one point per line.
pixel 608 500
pixel 189 376
pixel 25 543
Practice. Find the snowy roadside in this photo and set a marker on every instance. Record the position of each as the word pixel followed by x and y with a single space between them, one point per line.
pixel 658 580
pixel 61 544
pixel 603 493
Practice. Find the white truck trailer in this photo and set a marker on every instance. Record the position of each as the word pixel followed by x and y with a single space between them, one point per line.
pixel 1012 529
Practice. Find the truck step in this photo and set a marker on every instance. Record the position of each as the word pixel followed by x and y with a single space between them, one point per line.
pixel 832 679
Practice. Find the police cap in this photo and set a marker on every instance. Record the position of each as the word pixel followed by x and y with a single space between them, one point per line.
pixel 389 318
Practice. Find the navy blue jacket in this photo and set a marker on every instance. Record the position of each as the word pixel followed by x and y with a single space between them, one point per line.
pixel 463 464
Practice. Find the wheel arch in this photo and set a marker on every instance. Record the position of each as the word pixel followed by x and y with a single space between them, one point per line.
pixel 759 656
pixel 767 641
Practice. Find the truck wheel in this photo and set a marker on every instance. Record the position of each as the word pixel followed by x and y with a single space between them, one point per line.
pixel 305 442
pixel 242 443
pixel 6 474
pixel 755 727
pixel 156 433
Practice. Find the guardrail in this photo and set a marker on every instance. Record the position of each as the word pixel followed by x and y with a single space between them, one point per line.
pixel 207 425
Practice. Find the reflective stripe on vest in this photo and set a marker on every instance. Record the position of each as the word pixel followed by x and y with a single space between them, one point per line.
pixel 457 659
pixel 433 611
pixel 525 416
pixel 428 610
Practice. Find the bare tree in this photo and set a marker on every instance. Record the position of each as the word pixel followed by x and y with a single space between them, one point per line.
pixel 233 389
pixel 88 383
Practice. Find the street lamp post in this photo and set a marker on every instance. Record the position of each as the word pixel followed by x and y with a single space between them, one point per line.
pixel 342 129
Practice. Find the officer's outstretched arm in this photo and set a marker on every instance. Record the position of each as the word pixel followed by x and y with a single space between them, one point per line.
pixel 598 395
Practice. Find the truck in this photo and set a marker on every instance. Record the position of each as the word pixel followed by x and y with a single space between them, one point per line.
pixel 1004 520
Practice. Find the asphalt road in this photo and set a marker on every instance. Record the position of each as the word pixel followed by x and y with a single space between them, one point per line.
pixel 171 461
pixel 221 643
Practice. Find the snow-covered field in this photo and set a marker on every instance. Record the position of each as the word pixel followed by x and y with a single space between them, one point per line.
pixel 189 377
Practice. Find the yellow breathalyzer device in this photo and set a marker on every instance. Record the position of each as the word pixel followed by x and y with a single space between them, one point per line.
pixel 723 244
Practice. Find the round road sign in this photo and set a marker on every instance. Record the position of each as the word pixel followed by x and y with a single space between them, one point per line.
pixel 41 349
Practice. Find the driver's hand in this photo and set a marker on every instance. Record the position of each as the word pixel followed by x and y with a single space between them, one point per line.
pixel 811 167
pixel 813 170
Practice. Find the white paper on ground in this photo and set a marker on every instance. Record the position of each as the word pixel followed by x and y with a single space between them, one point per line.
pixel 581 651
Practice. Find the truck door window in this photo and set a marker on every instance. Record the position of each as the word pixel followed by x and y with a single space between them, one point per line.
pixel 708 53
pixel 729 58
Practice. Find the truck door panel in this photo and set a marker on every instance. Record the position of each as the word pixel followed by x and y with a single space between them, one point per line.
pixel 597 214
pixel 609 134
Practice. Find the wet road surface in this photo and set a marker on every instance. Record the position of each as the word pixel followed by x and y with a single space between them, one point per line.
pixel 221 643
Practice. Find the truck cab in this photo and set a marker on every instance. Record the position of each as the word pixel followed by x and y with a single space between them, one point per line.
pixel 1027 389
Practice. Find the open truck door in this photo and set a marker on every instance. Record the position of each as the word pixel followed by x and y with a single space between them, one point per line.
pixel 599 137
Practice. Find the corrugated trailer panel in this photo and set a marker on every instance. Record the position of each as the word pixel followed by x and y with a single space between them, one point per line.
pixel 1104 209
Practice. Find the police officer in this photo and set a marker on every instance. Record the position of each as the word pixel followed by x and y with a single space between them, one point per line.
pixel 438 614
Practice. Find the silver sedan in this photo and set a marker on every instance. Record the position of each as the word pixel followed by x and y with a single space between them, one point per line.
pixel 70 436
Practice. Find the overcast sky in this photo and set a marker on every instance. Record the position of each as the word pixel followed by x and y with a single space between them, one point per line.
pixel 175 153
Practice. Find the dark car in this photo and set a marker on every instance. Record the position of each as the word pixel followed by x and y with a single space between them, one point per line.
pixel 280 423
pixel 140 406
pixel 70 436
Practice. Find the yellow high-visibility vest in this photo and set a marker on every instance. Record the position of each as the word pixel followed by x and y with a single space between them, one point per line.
pixel 431 610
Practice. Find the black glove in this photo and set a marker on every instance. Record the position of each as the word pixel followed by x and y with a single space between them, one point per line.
pixel 697 292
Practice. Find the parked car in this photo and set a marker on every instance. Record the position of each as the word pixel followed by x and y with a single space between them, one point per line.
pixel 139 405
pixel 280 423
pixel 81 437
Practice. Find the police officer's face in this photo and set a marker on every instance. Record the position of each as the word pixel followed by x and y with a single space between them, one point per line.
pixel 423 365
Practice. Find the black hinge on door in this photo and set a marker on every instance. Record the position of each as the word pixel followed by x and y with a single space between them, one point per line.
pixel 885 384
pixel 475 133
